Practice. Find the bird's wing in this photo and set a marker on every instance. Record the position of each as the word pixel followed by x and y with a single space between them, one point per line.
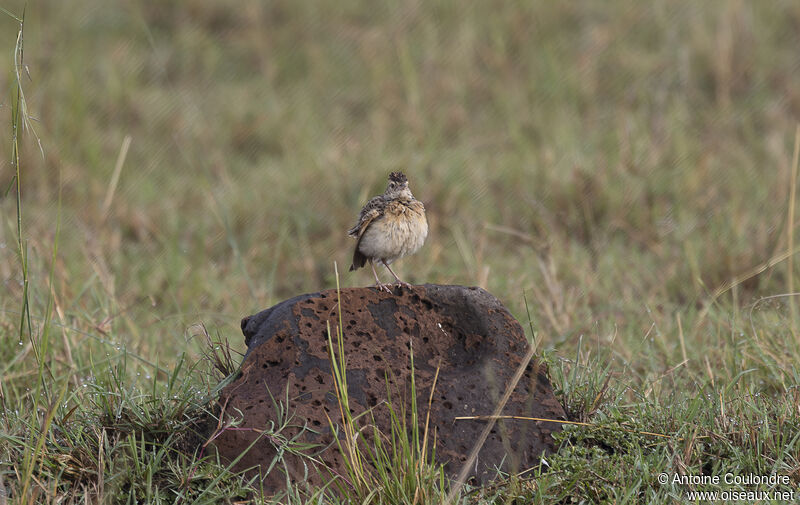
pixel 372 210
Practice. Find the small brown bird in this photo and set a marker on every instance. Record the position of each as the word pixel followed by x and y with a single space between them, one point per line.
pixel 389 227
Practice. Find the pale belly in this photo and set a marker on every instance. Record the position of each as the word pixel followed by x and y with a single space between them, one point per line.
pixel 392 238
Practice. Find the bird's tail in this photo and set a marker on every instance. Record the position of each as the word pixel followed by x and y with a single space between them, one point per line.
pixel 359 260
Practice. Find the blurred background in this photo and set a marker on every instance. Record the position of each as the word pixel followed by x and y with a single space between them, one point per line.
pixel 614 163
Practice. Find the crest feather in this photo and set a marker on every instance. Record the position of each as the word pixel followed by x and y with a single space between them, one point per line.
pixel 398 177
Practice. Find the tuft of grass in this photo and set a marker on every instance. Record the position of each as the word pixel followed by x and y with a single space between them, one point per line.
pixel 398 466
pixel 712 429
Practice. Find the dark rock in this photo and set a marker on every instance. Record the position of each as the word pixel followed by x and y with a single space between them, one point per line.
pixel 466 332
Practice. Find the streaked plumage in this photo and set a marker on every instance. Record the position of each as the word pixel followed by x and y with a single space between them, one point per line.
pixel 390 226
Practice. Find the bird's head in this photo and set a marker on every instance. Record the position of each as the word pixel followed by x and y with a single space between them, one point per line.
pixel 398 186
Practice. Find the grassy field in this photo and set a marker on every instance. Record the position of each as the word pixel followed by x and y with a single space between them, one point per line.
pixel 627 167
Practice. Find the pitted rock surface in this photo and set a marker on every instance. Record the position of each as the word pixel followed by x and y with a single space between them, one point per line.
pixel 466 332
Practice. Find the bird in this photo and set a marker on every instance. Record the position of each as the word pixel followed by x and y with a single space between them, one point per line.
pixel 390 226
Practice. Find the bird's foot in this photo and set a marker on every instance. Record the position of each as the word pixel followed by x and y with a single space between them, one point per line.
pixel 402 283
pixel 383 287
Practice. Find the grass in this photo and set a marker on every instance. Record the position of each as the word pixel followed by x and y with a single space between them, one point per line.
pixel 630 168
pixel 398 466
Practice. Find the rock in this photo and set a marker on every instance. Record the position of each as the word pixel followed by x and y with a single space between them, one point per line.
pixel 466 332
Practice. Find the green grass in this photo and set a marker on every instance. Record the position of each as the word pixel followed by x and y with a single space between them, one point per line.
pixel 394 466
pixel 625 166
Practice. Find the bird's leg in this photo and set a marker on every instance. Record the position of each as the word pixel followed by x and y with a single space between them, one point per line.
pixel 378 283
pixel 397 279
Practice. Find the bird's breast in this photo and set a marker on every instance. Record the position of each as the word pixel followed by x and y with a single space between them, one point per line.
pixel 400 231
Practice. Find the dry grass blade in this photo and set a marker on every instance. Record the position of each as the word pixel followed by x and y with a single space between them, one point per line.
pixel 790 227
pixel 558 421
pixel 112 185
pixel 462 476
pixel 756 270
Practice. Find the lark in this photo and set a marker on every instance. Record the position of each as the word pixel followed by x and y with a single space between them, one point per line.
pixel 390 226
